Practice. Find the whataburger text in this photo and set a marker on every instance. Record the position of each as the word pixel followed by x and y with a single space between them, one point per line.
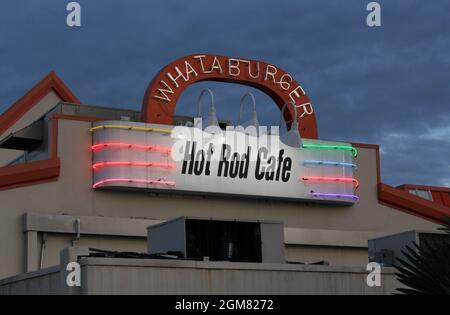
pixel 196 66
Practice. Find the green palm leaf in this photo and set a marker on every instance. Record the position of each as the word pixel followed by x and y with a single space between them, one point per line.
pixel 425 269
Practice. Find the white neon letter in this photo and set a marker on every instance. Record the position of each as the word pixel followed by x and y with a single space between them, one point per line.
pixel 235 66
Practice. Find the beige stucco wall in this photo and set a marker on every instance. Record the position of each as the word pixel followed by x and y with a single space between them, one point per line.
pixel 72 194
pixel 37 111
pixel 106 276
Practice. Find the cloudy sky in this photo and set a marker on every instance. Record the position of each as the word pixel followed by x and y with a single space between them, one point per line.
pixel 387 85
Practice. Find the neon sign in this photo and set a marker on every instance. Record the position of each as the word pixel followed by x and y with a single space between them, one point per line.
pixel 166 87
pixel 149 159
pixel 234 165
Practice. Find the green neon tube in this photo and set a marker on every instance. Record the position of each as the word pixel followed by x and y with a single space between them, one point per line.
pixel 332 147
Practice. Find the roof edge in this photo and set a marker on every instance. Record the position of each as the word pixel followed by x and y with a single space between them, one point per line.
pixel 51 82
pixel 424 187
pixel 409 203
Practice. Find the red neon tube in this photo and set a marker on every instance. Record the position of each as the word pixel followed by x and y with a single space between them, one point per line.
pixel 135 181
pixel 354 181
pixel 96 166
pixel 131 146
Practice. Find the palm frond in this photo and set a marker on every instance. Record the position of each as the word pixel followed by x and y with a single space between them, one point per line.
pixel 425 269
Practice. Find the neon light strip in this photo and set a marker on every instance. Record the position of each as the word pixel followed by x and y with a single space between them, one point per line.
pixel 130 128
pixel 131 146
pixel 329 163
pixel 123 163
pixel 335 147
pixel 343 196
pixel 332 179
pixel 134 181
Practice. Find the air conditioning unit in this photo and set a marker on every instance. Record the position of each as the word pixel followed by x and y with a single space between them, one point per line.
pixel 387 249
pixel 219 239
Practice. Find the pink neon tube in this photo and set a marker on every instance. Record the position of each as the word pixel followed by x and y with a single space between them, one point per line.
pixel 134 181
pixel 332 179
pixel 96 166
pixel 118 145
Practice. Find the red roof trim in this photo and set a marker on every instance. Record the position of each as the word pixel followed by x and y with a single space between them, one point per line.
pixel 14 176
pixel 400 199
pixel 366 145
pixel 38 172
pixel 424 187
pixel 50 83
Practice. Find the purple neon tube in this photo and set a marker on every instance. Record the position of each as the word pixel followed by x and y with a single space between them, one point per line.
pixel 353 197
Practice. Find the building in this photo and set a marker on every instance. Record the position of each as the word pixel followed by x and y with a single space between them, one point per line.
pixel 51 198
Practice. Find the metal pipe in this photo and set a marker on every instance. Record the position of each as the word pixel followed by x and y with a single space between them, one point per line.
pixel 44 241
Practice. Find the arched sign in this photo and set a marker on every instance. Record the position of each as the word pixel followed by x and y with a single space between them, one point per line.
pixel 163 92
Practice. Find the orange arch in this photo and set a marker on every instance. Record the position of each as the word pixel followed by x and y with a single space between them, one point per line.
pixel 166 87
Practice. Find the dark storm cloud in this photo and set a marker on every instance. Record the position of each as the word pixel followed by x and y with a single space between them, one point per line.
pixel 387 85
